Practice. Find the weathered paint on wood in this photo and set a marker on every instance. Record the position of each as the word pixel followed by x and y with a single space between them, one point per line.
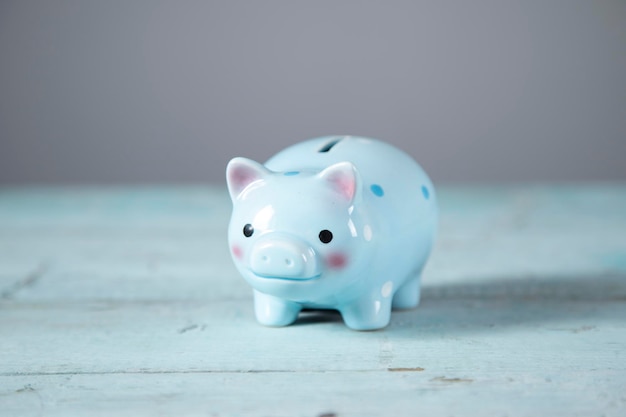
pixel 124 301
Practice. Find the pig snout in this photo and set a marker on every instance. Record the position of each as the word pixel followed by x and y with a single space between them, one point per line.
pixel 284 257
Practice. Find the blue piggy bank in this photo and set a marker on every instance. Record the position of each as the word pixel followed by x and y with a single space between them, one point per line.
pixel 337 222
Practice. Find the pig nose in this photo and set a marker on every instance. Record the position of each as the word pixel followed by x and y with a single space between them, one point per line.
pixel 278 257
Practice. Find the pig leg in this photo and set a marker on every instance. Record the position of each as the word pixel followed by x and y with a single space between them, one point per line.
pixel 408 295
pixel 367 313
pixel 274 311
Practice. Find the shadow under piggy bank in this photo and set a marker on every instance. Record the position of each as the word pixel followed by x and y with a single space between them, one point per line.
pixel 504 303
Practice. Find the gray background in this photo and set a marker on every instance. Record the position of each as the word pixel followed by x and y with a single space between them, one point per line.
pixel 168 91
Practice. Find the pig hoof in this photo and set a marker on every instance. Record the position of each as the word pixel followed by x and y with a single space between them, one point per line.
pixel 273 312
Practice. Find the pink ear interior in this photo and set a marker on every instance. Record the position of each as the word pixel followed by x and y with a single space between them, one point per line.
pixel 342 178
pixel 242 172
pixel 241 176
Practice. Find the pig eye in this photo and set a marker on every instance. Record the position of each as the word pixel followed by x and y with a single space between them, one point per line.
pixel 326 236
pixel 248 230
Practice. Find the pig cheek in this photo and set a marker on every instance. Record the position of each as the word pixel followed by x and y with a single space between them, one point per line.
pixel 336 261
pixel 237 252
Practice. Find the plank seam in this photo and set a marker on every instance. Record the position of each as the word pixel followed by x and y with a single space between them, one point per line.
pixel 207 371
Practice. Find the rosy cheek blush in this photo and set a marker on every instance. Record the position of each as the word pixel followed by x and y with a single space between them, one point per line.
pixel 237 252
pixel 336 260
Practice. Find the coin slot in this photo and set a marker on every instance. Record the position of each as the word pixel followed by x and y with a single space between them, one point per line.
pixel 329 145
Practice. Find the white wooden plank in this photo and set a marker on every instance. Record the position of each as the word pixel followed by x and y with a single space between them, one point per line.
pixel 486 234
pixel 528 332
pixel 314 394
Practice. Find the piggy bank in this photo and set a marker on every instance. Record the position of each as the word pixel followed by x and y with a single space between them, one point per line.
pixel 338 222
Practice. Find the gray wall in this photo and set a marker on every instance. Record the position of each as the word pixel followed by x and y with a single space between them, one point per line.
pixel 169 91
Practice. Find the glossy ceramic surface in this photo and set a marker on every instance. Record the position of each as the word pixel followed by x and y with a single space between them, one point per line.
pixel 337 222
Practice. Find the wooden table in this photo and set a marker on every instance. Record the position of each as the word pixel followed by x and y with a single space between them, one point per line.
pixel 124 301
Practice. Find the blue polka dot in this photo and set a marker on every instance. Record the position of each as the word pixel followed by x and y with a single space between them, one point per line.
pixel 291 173
pixel 377 190
pixel 425 192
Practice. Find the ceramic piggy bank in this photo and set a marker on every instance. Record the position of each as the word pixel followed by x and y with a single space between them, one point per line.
pixel 337 222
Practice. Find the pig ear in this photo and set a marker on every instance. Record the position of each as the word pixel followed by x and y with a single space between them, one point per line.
pixel 342 178
pixel 242 172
